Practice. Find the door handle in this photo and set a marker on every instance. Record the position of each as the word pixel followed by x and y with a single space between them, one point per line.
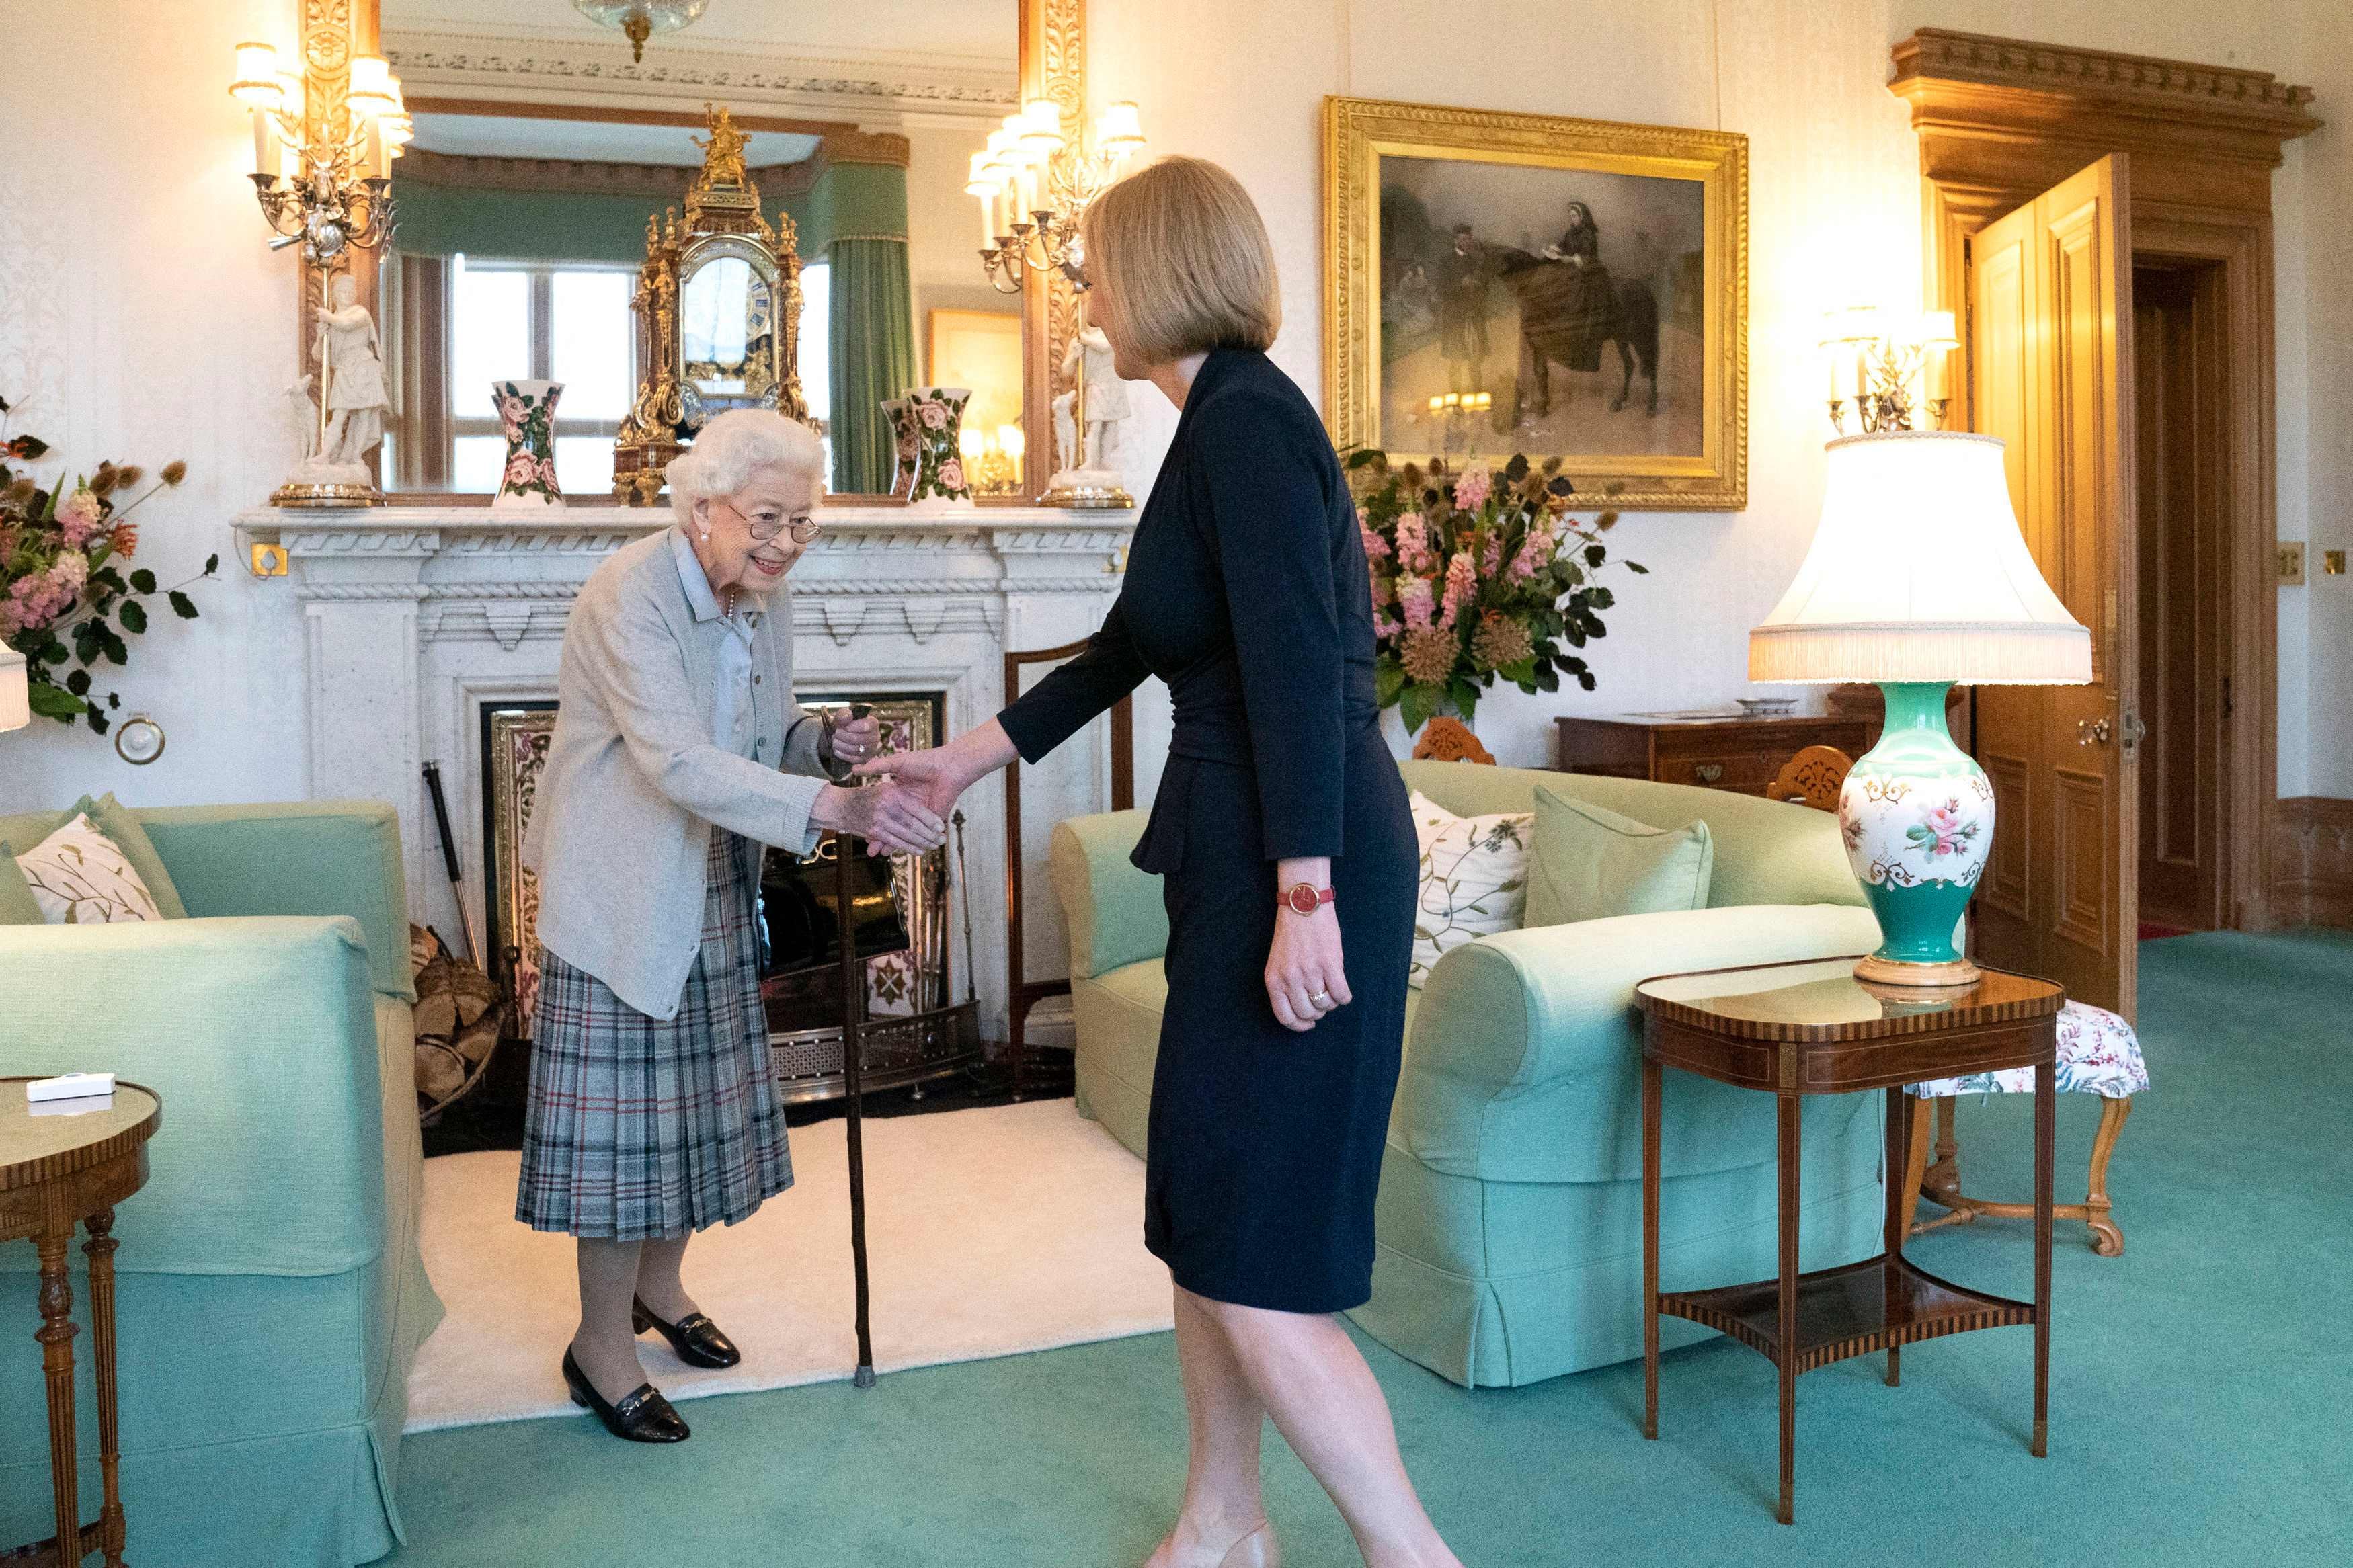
pixel 1707 773
pixel 2136 731
pixel 2093 731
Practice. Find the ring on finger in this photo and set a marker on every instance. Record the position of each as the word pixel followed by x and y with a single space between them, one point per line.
pixel 1323 1000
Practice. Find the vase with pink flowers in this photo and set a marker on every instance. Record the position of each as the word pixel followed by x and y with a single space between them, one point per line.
pixel 527 411
pixel 935 417
pixel 1478 575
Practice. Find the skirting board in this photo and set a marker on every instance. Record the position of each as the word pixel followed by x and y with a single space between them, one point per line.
pixel 2312 861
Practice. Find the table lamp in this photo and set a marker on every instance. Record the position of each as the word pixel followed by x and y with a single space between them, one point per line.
pixel 15 691
pixel 1917 578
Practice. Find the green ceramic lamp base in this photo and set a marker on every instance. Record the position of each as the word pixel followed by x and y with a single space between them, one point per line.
pixel 1917 814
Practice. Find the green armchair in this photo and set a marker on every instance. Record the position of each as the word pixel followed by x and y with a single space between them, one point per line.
pixel 1510 1210
pixel 271 1295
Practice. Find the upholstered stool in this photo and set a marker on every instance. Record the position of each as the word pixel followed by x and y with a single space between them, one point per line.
pixel 2098 1054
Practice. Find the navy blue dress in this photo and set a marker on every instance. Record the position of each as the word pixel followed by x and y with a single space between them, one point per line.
pixel 1247 592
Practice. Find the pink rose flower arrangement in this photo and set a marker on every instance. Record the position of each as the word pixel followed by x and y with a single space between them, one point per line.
pixel 66 605
pixel 1478 576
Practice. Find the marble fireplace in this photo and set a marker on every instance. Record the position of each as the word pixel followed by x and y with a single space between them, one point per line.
pixel 420 621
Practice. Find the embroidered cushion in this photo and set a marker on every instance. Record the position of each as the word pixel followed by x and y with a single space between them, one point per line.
pixel 81 876
pixel 1474 873
pixel 2098 1053
pixel 1590 863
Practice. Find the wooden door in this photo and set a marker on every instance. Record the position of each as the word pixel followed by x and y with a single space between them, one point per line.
pixel 2180 417
pixel 2051 361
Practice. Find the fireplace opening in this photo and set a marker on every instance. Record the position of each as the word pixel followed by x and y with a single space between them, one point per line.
pixel 918 1016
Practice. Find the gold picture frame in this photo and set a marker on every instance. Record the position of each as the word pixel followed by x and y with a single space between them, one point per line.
pixel 1652 262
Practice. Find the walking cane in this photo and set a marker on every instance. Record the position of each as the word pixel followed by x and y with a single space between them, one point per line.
pixel 852 996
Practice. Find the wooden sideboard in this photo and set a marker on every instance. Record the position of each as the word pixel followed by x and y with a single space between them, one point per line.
pixel 1731 752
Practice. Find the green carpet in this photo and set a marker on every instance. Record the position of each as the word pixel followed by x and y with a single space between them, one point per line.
pixel 2199 1401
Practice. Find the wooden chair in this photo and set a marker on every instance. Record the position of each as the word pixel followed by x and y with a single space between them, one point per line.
pixel 1445 740
pixel 2098 1053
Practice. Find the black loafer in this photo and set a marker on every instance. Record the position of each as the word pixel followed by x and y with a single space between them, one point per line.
pixel 695 1338
pixel 643 1415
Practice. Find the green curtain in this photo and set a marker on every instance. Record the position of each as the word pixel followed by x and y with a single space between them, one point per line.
pixel 872 349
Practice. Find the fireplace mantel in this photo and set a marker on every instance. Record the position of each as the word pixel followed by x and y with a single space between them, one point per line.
pixel 416 616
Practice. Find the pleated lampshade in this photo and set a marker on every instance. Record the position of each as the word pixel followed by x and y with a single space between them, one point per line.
pixel 1918 572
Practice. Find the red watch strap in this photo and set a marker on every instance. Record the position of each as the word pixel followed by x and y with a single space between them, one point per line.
pixel 1302 897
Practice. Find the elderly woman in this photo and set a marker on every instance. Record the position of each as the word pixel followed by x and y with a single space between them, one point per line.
pixel 677 753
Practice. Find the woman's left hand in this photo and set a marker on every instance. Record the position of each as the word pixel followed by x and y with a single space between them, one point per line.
pixel 1306 973
pixel 854 741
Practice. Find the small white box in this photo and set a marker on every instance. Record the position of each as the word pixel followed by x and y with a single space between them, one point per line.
pixel 72 1086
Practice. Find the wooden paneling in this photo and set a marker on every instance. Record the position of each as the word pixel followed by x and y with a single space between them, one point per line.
pixel 2006 886
pixel 2180 412
pixel 2312 861
pixel 2002 119
pixel 2051 288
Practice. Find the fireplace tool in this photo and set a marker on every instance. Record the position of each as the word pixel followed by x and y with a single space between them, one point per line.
pixel 449 863
pixel 853 999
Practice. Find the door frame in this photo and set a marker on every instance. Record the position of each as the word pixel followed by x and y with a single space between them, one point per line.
pixel 2002 120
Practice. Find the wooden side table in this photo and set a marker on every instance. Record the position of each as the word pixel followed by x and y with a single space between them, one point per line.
pixel 1728 752
pixel 1795 1030
pixel 57 1171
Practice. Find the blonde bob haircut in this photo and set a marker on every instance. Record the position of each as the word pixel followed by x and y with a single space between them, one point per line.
pixel 1181 264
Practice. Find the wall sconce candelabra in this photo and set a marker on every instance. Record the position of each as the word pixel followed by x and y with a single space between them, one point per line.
pixel 992 464
pixel 1890 366
pixel 1033 183
pixel 1455 408
pixel 333 191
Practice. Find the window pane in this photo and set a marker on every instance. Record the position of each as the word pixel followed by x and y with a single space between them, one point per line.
pixel 590 346
pixel 584 464
pixel 817 321
pixel 475 462
pixel 490 337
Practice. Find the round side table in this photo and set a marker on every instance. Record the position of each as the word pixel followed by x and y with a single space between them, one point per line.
pixel 56 1171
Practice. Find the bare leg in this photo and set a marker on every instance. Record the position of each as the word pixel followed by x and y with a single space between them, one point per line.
pixel 606 1346
pixel 1222 1503
pixel 1324 1402
pixel 659 1285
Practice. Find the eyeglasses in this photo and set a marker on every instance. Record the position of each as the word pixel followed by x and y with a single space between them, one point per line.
pixel 803 529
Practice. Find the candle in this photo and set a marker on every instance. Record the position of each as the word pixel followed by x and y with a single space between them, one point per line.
pixel 265 145
pixel 1014 443
pixel 971 443
pixel 1437 404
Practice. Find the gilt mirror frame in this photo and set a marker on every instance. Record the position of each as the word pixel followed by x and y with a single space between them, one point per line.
pixel 1053 64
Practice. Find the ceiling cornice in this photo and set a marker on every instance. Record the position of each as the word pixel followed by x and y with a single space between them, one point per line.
pixel 531 64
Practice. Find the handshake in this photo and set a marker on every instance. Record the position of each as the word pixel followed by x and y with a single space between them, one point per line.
pixel 906 813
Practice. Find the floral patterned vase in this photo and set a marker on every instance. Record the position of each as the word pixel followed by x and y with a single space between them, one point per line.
pixel 527 409
pixel 936 417
pixel 1917 814
pixel 901 413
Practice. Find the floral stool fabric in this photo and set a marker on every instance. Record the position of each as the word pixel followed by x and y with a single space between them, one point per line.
pixel 2098 1053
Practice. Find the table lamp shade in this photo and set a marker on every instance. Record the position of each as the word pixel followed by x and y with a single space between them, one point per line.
pixel 16 699
pixel 1918 572
pixel 1918 577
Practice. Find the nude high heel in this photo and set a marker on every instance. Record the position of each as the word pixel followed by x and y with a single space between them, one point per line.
pixel 1259 1549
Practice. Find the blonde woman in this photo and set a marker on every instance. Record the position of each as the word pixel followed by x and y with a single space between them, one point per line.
pixel 679 752
pixel 1282 832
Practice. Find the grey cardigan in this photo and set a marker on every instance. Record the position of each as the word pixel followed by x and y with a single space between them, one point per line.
pixel 633 784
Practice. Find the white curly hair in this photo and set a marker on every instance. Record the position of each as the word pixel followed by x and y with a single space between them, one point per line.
pixel 734 446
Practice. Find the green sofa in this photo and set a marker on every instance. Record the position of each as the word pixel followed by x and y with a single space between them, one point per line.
pixel 1510 1210
pixel 271 1294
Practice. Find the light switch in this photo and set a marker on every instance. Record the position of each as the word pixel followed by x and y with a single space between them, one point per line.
pixel 2290 563
pixel 2332 563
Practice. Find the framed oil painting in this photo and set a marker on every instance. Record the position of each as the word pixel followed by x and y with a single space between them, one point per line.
pixel 1501 283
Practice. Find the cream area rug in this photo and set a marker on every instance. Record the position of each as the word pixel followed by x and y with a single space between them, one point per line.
pixel 990 1232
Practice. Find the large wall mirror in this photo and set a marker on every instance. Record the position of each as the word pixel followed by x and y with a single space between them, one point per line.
pixel 543 156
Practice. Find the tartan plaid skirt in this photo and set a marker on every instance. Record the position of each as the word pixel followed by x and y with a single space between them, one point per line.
pixel 638 1128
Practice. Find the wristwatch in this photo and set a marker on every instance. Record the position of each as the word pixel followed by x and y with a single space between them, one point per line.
pixel 1305 898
